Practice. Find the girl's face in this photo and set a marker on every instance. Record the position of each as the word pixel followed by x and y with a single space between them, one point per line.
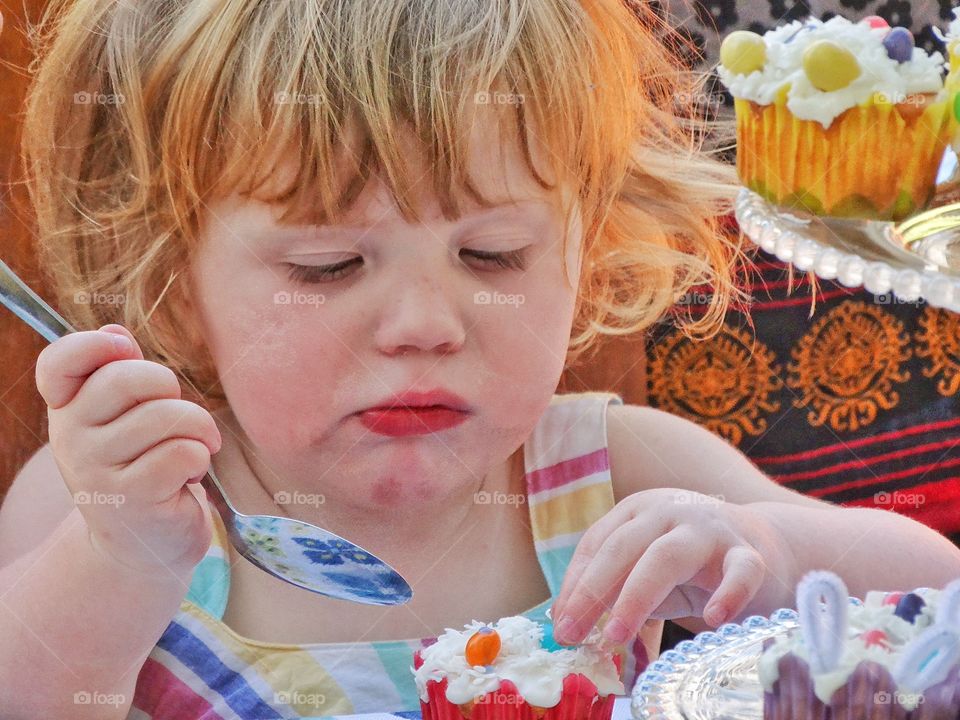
pixel 310 326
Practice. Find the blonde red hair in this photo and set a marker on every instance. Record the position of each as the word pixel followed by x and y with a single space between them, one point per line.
pixel 142 110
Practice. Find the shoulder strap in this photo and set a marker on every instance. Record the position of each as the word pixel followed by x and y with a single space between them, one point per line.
pixel 567 476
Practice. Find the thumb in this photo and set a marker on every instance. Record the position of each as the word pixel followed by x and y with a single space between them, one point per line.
pixel 121 330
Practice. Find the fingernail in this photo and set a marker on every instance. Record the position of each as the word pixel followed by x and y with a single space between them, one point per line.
pixel 564 629
pixel 616 631
pixel 718 613
pixel 121 343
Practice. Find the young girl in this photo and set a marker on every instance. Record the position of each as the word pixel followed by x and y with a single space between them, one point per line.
pixel 286 217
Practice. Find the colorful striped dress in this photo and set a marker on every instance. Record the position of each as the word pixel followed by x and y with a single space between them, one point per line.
pixel 202 670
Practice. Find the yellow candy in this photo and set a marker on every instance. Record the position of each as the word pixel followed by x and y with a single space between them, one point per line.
pixel 829 66
pixel 954 51
pixel 743 52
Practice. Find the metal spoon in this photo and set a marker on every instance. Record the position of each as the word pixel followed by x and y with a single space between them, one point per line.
pixel 296 552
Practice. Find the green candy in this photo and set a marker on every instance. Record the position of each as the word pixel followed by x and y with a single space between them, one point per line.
pixel 743 52
pixel 829 66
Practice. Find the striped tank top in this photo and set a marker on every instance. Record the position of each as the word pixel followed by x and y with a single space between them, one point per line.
pixel 202 670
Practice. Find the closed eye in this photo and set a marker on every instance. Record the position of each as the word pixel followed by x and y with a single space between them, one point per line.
pixel 510 260
pixel 311 274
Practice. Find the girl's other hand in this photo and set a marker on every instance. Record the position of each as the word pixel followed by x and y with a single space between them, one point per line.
pixel 663 553
pixel 127 447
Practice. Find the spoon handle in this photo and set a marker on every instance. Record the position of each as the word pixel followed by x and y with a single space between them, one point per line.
pixel 27 305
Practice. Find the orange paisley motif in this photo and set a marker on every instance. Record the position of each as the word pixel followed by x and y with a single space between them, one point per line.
pixel 722 383
pixel 845 366
pixel 939 340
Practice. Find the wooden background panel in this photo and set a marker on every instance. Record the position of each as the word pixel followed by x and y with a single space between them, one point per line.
pixel 22 416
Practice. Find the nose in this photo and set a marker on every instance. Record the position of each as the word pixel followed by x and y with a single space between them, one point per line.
pixel 419 314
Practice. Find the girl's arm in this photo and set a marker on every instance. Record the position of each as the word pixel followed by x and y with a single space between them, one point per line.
pixel 869 548
pixel 76 625
pixel 699 534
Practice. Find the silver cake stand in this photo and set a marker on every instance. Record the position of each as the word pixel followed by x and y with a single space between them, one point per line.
pixel 916 259
pixel 712 677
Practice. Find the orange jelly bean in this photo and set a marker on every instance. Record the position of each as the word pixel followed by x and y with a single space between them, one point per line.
pixel 483 646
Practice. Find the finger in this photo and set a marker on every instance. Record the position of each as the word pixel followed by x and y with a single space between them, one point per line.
pixel 592 541
pixel 743 573
pixel 600 580
pixel 152 422
pixel 159 474
pixel 64 365
pixel 120 386
pixel 670 561
pixel 683 601
pixel 121 330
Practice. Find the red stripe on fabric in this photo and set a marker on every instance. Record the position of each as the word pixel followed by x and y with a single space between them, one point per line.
pixel 942 514
pixel 164 696
pixel 898 475
pixel 827 449
pixel 774 304
pixel 792 302
pixel 866 462
pixel 567 471
pixel 774 266
pixel 760 283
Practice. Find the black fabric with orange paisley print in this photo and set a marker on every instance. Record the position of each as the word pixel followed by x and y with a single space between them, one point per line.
pixel 857 404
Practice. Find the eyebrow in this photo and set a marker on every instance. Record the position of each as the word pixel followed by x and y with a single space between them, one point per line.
pixel 484 215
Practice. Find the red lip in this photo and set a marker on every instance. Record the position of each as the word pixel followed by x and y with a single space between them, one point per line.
pixel 416 413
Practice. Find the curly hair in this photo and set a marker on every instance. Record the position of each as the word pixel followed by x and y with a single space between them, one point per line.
pixel 142 111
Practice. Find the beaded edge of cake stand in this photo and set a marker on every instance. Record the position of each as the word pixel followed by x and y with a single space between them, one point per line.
pixel 759 222
pixel 653 697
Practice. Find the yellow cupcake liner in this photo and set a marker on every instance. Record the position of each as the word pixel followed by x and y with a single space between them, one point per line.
pixel 878 160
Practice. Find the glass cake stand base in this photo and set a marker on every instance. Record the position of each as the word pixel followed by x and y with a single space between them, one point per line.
pixel 713 676
pixel 912 260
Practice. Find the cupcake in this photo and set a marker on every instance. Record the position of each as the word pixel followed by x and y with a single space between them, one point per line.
pixel 893 656
pixel 838 118
pixel 504 672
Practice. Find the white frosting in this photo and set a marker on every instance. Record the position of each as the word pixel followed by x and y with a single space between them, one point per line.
pixel 951 38
pixel 871 615
pixel 953 29
pixel 881 74
pixel 537 673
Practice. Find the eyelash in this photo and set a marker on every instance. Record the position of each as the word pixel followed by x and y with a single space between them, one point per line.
pixel 310 274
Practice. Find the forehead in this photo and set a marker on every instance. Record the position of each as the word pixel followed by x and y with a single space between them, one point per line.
pixel 497 160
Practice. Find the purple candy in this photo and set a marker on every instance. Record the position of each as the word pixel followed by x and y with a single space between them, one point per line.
pixel 899 44
pixel 909 607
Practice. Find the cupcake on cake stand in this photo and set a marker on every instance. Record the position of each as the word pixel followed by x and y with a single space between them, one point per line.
pixel 890 656
pixel 843 135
